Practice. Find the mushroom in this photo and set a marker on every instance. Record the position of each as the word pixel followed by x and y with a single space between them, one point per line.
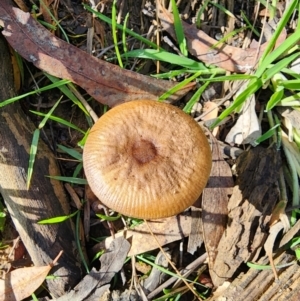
pixel 147 159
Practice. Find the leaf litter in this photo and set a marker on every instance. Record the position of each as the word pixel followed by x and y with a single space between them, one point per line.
pixel 95 283
pixel 21 283
pixel 107 83
pixel 242 201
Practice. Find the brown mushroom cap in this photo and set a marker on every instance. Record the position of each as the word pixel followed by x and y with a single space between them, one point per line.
pixel 147 159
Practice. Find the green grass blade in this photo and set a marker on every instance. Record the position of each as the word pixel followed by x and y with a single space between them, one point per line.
pixel 97 256
pixel 280 50
pixel 57 219
pixel 78 242
pixel 297 253
pixel 47 116
pixel 188 107
pixel 56 21
pixel 200 12
pixel 60 120
pixel 169 295
pixel 293 84
pixel 294 242
pixel 34 143
pixel 164 270
pixel 108 218
pixel 267 267
pixel 20 65
pixel 291 100
pixel 252 87
pixel 223 9
pixel 173 73
pixel 267 134
pixel 32 155
pixel 128 31
pixel 270 72
pixel 179 29
pixel 293 171
pixel 275 99
pixel 227 36
pixel 179 86
pixel 114 33
pixel 67 92
pixel 2 221
pixel 291 73
pixel 47 25
pixel 34 297
pixel 3 216
pixel 228 78
pixel 162 55
pixel 4 246
pixel 265 59
pixel 71 151
pixel 71 180
pixel 249 24
pixel 81 143
pixel 49 87
pixel 124 33
pixel 77 170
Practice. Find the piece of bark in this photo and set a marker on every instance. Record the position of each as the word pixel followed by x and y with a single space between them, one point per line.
pixel 44 199
pixel 214 206
pixel 260 285
pixel 107 83
pixel 196 235
pixel 202 46
pixel 250 207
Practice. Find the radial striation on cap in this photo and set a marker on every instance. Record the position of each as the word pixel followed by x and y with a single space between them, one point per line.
pixel 147 159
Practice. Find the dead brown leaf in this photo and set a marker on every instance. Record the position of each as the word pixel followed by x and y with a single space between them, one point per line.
pixel 279 214
pixel 214 206
pixel 247 127
pixel 21 283
pixel 212 109
pixel 291 120
pixel 107 83
pixel 290 234
pixel 202 47
pixel 278 221
pixel 166 230
pixel 269 244
pixel 93 285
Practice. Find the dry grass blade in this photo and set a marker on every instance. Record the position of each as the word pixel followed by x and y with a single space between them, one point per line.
pixel 171 263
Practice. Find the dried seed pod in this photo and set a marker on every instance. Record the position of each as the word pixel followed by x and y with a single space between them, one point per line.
pixel 147 159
